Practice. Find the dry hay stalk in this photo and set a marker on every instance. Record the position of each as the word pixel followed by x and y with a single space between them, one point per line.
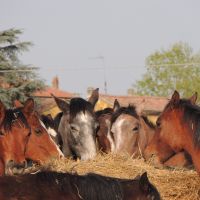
pixel 172 184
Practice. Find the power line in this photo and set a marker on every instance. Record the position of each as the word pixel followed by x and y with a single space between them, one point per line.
pixel 98 68
pixel 17 70
pixel 177 64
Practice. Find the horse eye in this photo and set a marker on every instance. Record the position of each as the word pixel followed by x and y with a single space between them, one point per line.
pixel 1 133
pixel 97 125
pixel 158 123
pixel 73 128
pixel 135 129
pixel 38 131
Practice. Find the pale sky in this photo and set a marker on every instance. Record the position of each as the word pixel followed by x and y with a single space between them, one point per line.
pixel 70 35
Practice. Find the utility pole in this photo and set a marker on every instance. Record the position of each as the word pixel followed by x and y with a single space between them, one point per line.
pixel 104 70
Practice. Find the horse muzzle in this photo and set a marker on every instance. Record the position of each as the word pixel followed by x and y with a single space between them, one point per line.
pixel 13 168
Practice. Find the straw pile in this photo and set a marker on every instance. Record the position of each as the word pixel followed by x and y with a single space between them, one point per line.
pixel 172 184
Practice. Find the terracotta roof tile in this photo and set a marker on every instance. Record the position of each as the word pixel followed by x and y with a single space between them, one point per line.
pixel 145 103
pixel 49 90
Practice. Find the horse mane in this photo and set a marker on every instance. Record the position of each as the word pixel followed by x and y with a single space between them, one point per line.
pixel 12 115
pixel 191 116
pixel 148 122
pixel 89 186
pixel 57 119
pixel 47 122
pixel 130 110
pixel 105 111
pixel 77 105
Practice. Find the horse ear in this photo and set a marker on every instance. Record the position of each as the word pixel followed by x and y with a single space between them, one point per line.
pixel 140 107
pixel 116 105
pixel 29 106
pixel 175 97
pixel 144 182
pixel 17 104
pixel 49 117
pixel 2 111
pixel 193 98
pixel 94 97
pixel 62 105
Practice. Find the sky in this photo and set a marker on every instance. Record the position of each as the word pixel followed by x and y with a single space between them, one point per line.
pixel 88 42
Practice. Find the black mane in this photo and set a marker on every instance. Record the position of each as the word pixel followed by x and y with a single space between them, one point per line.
pixel 77 105
pixel 57 119
pixel 148 122
pixel 90 186
pixel 105 111
pixel 12 115
pixel 130 110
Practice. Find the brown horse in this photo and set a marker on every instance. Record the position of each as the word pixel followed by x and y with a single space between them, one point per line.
pixel 161 150
pixel 40 146
pixel 14 134
pixel 65 186
pixel 129 132
pixel 104 117
pixel 103 133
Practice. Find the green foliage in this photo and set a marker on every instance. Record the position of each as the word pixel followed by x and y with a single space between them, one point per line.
pixel 176 68
pixel 17 81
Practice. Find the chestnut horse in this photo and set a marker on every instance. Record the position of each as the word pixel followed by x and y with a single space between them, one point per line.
pixel 129 132
pixel 14 134
pixel 40 146
pixel 64 186
pixel 78 126
pixel 161 151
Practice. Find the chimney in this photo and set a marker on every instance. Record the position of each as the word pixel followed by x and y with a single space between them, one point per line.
pixel 55 82
pixel 130 92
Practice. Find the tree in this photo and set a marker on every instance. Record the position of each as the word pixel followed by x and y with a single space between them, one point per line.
pixel 17 81
pixel 176 68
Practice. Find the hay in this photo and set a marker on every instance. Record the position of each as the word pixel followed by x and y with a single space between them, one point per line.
pixel 172 184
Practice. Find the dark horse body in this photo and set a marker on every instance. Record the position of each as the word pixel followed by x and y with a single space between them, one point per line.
pixel 65 186
pixel 78 126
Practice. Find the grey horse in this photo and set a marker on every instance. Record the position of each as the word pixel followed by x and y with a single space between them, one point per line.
pixel 78 126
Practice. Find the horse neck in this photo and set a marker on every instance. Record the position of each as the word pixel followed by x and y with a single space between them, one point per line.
pixel 192 148
pixel 131 189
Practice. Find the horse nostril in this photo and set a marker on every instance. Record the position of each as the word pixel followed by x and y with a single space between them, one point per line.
pixel 25 163
pixel 10 163
pixel 61 156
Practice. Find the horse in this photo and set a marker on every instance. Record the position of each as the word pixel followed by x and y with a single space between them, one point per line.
pixel 40 147
pixel 129 132
pixel 163 152
pixel 65 186
pixel 103 133
pixel 14 134
pixel 51 127
pixel 78 126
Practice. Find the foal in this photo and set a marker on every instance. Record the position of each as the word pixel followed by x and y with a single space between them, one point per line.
pixel 65 186
pixel 129 132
